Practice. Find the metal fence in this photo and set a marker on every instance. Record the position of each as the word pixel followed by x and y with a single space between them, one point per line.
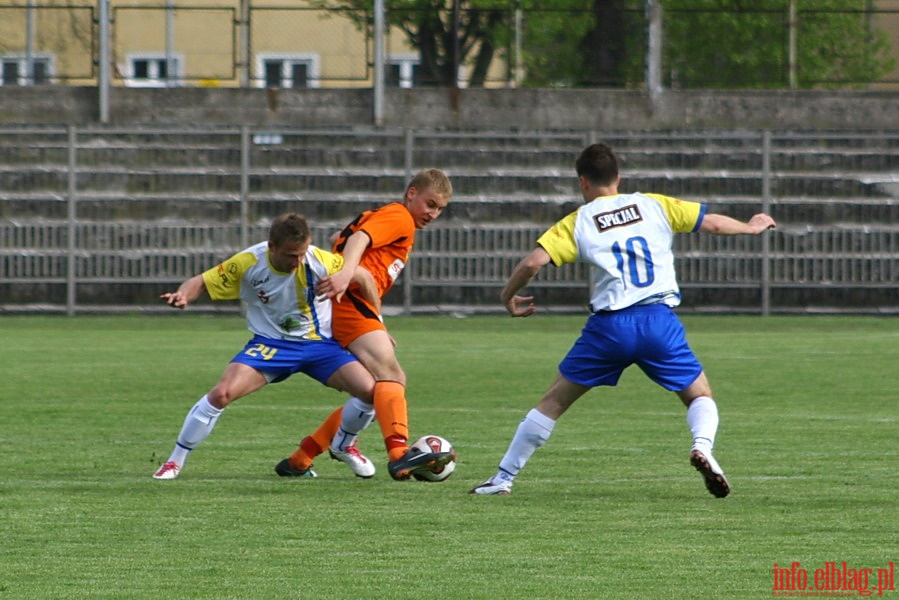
pixel 238 44
pixel 103 219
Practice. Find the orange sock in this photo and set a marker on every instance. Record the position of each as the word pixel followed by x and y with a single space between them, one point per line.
pixel 392 416
pixel 316 443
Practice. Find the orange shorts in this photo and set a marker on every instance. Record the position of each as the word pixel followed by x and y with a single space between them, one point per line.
pixel 352 317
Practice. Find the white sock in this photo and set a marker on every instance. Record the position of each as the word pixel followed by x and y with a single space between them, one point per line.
pixel 198 424
pixel 532 432
pixel 702 418
pixel 356 416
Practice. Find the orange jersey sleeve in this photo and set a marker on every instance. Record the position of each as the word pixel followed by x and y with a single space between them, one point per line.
pixel 392 233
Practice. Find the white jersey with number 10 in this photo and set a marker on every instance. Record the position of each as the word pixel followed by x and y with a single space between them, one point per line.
pixel 628 239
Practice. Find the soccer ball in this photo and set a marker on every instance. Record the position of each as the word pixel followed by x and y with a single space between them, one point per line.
pixel 435 443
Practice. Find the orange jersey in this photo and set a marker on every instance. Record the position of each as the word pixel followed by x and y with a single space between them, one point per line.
pixel 392 232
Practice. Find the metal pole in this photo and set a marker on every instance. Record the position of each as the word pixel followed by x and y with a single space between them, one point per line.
pixel 170 43
pixel 869 31
pixel 29 43
pixel 409 151
pixel 244 43
pixel 244 186
pixel 766 208
pixel 408 284
pixel 792 49
pixel 378 43
pixel 457 50
pixel 244 196
pixel 654 47
pixel 104 60
pixel 71 200
pixel 519 62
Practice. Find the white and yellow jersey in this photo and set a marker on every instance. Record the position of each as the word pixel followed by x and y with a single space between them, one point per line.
pixel 279 305
pixel 628 239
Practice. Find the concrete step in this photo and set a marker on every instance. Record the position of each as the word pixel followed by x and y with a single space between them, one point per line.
pixel 687 184
pixel 337 209
pixel 180 156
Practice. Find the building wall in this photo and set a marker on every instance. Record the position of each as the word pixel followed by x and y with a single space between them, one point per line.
pixel 206 40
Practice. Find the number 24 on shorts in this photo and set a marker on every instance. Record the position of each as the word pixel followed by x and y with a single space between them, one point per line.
pixel 262 350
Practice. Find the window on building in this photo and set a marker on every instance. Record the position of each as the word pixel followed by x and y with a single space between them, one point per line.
pixel 287 71
pixel 40 71
pixel 14 70
pixel 401 71
pixel 10 72
pixel 152 70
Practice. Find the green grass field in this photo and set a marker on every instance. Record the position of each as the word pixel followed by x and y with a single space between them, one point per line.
pixel 609 508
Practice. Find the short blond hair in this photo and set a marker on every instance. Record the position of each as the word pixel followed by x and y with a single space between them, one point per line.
pixel 432 179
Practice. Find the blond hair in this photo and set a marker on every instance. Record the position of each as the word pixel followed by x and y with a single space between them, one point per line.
pixel 432 179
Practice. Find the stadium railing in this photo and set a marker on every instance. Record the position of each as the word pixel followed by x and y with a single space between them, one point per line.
pixel 104 220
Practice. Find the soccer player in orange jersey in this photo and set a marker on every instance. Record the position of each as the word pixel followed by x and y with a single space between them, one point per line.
pixel 379 241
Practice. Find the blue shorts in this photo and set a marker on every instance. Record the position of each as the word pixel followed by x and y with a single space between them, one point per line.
pixel 279 359
pixel 651 337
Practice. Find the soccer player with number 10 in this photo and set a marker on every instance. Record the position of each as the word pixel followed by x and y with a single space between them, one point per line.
pixel 628 240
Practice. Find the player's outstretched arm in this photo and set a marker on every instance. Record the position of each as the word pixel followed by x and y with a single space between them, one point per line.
pixel 187 292
pixel 724 225
pixel 530 265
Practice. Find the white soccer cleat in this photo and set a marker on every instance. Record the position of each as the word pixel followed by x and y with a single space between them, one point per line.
pixel 359 464
pixel 489 488
pixel 715 481
pixel 169 470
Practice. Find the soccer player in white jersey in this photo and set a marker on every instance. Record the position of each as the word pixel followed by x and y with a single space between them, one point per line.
pixel 291 330
pixel 627 238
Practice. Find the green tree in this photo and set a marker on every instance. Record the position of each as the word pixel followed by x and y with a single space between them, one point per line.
pixel 707 43
pixel 448 34
pixel 840 47
pixel 572 43
pixel 736 43
pixel 576 43
pixel 607 48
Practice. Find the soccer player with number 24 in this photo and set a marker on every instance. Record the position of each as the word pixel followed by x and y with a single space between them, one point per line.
pixel 291 327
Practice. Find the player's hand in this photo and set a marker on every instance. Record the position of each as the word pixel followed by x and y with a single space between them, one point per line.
pixel 762 222
pixel 334 286
pixel 175 299
pixel 521 306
